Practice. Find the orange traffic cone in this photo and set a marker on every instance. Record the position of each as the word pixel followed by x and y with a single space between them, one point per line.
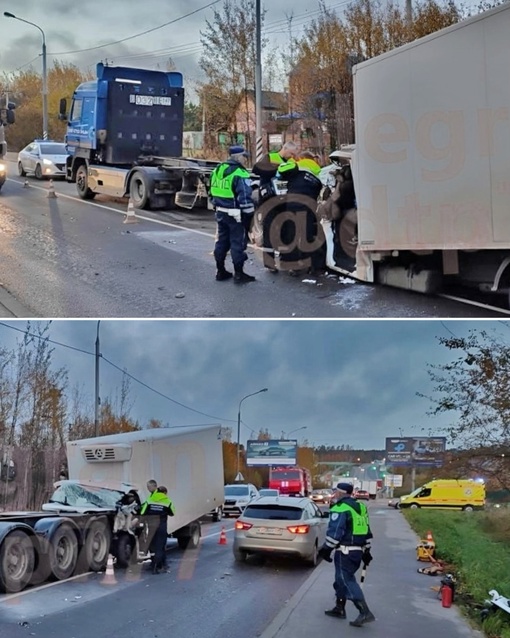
pixel 51 189
pixel 430 538
pixel 223 537
pixel 109 577
pixel 130 213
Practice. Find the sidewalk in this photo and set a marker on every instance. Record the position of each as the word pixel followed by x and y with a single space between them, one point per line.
pixel 400 598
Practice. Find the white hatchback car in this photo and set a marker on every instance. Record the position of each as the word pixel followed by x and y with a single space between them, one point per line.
pixel 283 525
pixel 43 158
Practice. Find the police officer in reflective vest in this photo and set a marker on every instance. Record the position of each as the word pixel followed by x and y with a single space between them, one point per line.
pixel 348 533
pixel 231 194
pixel 266 168
pixel 156 508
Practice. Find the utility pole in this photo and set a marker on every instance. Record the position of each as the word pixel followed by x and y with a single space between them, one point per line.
pixel 97 400
pixel 258 84
pixel 409 13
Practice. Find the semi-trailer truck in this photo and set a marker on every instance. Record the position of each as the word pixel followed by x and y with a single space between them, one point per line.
pixel 431 163
pixel 124 138
pixel 7 117
pixel 83 521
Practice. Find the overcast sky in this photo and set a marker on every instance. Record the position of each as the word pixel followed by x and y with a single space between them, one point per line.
pixel 348 382
pixel 70 26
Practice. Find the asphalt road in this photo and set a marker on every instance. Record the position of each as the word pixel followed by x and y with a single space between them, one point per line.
pixel 206 594
pixel 65 257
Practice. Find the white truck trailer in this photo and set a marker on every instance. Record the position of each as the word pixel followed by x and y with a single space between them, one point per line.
pixel 79 527
pixel 431 164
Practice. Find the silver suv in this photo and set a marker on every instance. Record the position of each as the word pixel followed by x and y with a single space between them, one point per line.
pixel 237 497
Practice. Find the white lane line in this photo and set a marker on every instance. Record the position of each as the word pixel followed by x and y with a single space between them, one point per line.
pixel 119 212
pixel 478 304
pixel 41 587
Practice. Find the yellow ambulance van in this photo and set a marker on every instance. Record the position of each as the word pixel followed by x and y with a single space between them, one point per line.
pixel 465 495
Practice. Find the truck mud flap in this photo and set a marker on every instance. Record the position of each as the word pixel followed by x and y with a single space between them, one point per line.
pixel 186 199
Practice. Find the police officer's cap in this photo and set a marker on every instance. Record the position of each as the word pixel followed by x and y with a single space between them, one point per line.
pixel 345 487
pixel 238 150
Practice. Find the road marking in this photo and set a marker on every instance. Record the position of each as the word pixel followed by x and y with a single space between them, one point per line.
pixel 478 304
pixel 116 210
pixel 41 587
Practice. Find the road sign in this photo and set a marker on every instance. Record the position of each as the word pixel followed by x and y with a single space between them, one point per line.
pixel 275 139
pixel 393 480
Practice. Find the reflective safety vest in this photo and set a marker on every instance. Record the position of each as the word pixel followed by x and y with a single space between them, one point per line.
pixel 288 165
pixel 160 501
pixel 221 185
pixel 360 526
pixel 275 158
pixel 310 165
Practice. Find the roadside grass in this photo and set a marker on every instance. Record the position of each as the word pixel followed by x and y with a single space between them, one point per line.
pixel 476 546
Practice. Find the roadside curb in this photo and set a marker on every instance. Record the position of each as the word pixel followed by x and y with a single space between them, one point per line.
pixel 10 307
pixel 278 622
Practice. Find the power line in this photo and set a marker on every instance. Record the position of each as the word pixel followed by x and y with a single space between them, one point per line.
pixel 137 35
pixel 114 365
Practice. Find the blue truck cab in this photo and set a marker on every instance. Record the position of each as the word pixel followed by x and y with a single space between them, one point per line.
pixel 124 136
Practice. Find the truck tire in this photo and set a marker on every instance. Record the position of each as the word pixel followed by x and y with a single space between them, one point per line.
pixel 97 546
pixel 63 554
pixel 82 183
pixel 414 506
pixel 468 508
pixel 139 190
pixel 17 561
pixel 218 515
pixel 124 551
pixel 192 539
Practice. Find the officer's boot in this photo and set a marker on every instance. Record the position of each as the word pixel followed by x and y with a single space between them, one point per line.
pixel 221 273
pixel 365 615
pixel 338 611
pixel 240 277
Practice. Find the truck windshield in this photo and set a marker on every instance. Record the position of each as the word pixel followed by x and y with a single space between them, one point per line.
pixel 286 474
pixel 76 495
pixel 236 490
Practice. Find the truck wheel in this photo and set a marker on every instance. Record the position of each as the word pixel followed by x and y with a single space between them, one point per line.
pixel 414 506
pixel 38 172
pixel 63 553
pixel 97 546
pixel 17 561
pixel 82 183
pixel 21 170
pixel 139 191
pixel 218 515
pixel 192 540
pixel 468 508
pixel 124 551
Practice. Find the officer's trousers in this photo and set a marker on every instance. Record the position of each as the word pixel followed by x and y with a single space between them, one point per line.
pixel 346 566
pixel 232 235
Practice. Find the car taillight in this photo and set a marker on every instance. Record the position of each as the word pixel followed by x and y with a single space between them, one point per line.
pixel 299 529
pixel 242 525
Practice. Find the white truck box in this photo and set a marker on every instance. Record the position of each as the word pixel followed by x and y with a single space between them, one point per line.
pixel 188 461
pixel 432 161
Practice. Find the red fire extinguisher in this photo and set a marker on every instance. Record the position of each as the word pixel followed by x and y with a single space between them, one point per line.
pixel 447 585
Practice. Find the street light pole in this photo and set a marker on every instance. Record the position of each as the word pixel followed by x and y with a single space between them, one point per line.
pixel 296 430
pixel 96 406
pixel 239 429
pixel 44 72
pixel 258 83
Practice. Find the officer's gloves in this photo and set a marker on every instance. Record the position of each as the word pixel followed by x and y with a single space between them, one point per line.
pixel 325 553
pixel 366 557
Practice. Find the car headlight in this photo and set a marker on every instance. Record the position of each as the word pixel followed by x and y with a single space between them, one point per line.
pixel 47 162
pixel 3 168
pixel 243 500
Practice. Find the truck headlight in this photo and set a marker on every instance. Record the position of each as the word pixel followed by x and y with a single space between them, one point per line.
pixel 3 168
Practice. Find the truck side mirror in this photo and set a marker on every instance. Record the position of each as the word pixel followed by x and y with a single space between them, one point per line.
pixel 62 109
pixel 11 117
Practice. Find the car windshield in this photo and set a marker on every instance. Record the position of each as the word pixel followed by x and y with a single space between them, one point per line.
pixel 273 512
pixel 77 495
pixel 236 490
pixel 53 149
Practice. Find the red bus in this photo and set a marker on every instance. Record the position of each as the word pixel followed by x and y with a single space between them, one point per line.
pixel 291 481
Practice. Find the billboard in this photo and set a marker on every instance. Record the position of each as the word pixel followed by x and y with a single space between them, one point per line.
pixel 418 452
pixel 271 452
